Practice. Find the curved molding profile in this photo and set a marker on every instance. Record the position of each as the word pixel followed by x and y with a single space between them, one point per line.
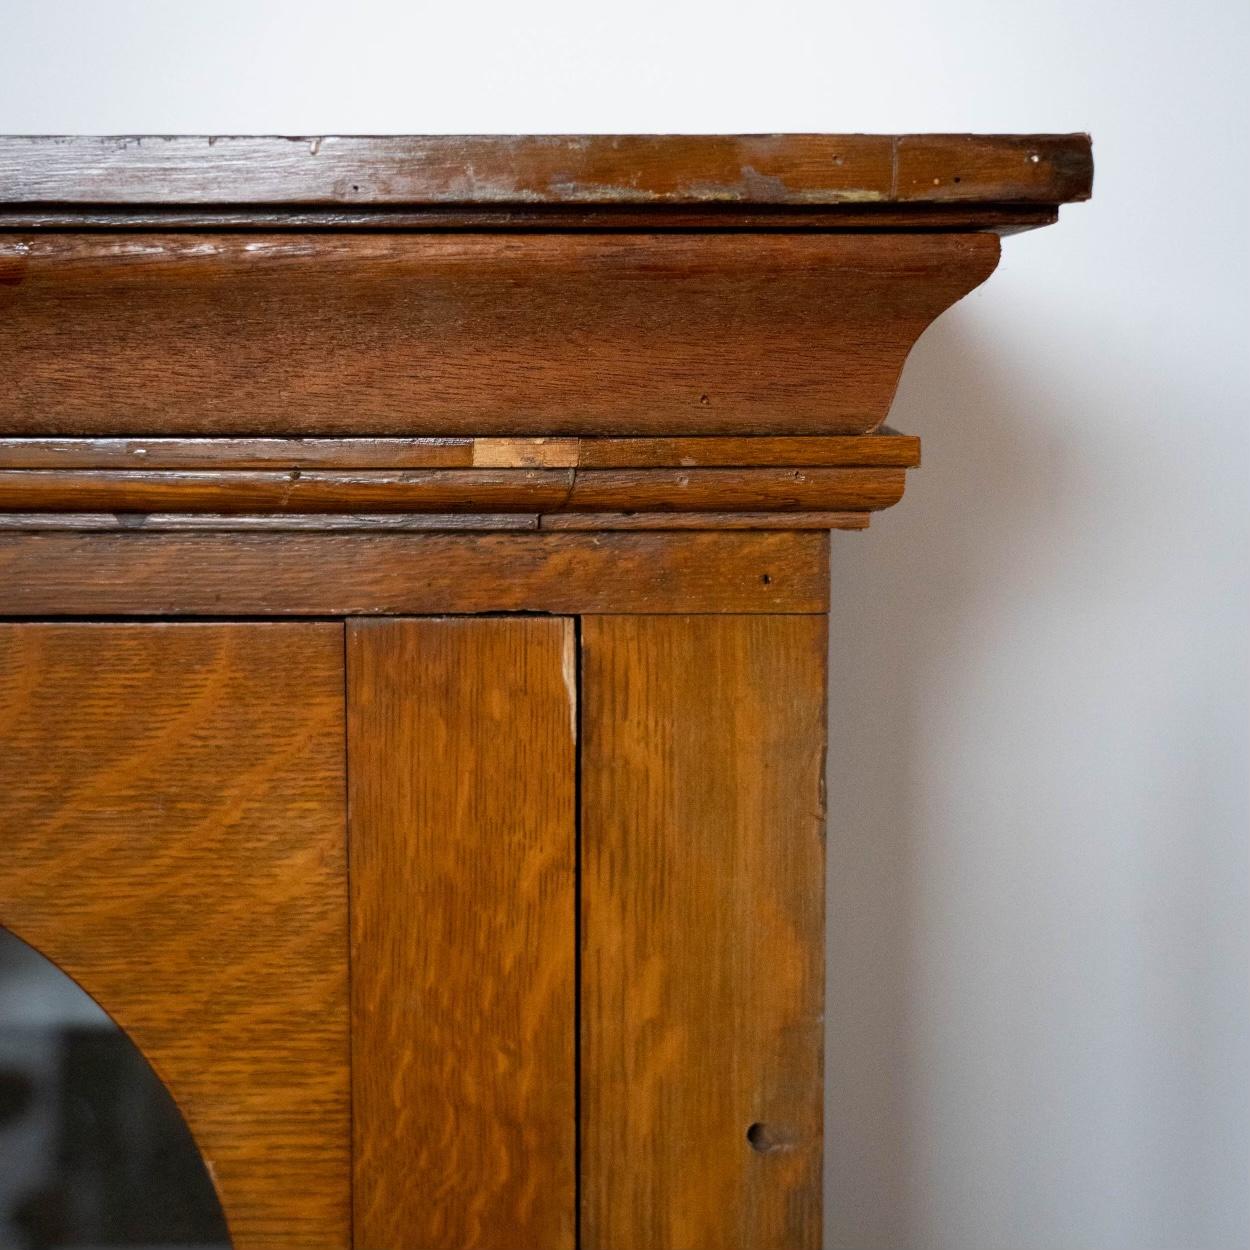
pixel 513 335
pixel 525 332
pixel 560 483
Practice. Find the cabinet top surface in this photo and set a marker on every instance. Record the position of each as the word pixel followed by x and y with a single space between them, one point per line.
pixel 597 174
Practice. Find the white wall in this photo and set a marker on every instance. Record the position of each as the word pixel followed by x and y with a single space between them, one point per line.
pixel 1040 947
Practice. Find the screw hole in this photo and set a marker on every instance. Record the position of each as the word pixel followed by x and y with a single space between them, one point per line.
pixel 758 1138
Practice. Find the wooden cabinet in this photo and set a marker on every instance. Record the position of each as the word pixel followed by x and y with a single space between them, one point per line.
pixel 412 689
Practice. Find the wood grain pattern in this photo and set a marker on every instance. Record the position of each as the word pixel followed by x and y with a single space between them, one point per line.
pixel 702 923
pixel 394 574
pixel 608 522
pixel 365 490
pixel 453 490
pixel 173 837
pixel 493 170
pixel 887 449
pixel 290 522
pixel 443 334
pixel 462 742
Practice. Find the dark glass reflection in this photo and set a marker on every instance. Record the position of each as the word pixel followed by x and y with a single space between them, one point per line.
pixel 93 1152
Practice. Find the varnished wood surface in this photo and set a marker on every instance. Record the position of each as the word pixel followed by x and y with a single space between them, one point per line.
pixel 886 449
pixel 323 522
pixel 462 743
pixel 588 171
pixel 451 490
pixel 172 825
pixel 395 574
pixel 610 521
pixel 702 924
pixel 493 335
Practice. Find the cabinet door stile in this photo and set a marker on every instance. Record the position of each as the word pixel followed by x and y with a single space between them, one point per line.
pixel 461 748
pixel 702 929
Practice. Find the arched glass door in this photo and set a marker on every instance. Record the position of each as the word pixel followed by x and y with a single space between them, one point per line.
pixel 93 1151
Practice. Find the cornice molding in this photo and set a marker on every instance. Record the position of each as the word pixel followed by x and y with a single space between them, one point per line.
pixel 535 332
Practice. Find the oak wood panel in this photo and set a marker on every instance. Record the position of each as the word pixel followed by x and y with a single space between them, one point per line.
pixel 888 449
pixel 462 741
pixel 173 830
pixel 587 170
pixel 702 923
pixel 394 574
pixel 439 334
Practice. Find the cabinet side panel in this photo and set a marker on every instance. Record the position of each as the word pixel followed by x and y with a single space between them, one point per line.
pixel 172 823
pixel 462 766
pixel 702 931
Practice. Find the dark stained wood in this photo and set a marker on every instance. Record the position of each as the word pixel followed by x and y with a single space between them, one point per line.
pixel 172 829
pixel 462 742
pixel 493 335
pixel 887 448
pixel 389 574
pixel 978 168
pixel 702 924
pixel 847 216
pixel 588 171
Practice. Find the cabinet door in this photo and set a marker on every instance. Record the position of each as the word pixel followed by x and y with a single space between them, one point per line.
pixel 172 806
pixel 702 924
pixel 462 760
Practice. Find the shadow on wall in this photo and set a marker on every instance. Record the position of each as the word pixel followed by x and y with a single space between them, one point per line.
pixel 908 596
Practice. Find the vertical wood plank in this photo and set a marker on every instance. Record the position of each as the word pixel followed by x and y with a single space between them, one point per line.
pixel 702 915
pixel 172 821
pixel 462 778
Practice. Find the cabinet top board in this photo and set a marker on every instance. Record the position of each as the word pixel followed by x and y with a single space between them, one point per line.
pixel 1001 182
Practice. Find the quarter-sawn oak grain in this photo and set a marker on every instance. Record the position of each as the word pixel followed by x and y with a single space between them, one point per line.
pixel 702 928
pixel 254 574
pixel 462 764
pixel 172 822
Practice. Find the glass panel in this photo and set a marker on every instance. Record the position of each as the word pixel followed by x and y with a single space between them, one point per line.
pixel 93 1152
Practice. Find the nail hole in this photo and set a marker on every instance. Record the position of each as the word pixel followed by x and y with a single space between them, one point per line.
pixel 767 579
pixel 958 178
pixel 703 399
